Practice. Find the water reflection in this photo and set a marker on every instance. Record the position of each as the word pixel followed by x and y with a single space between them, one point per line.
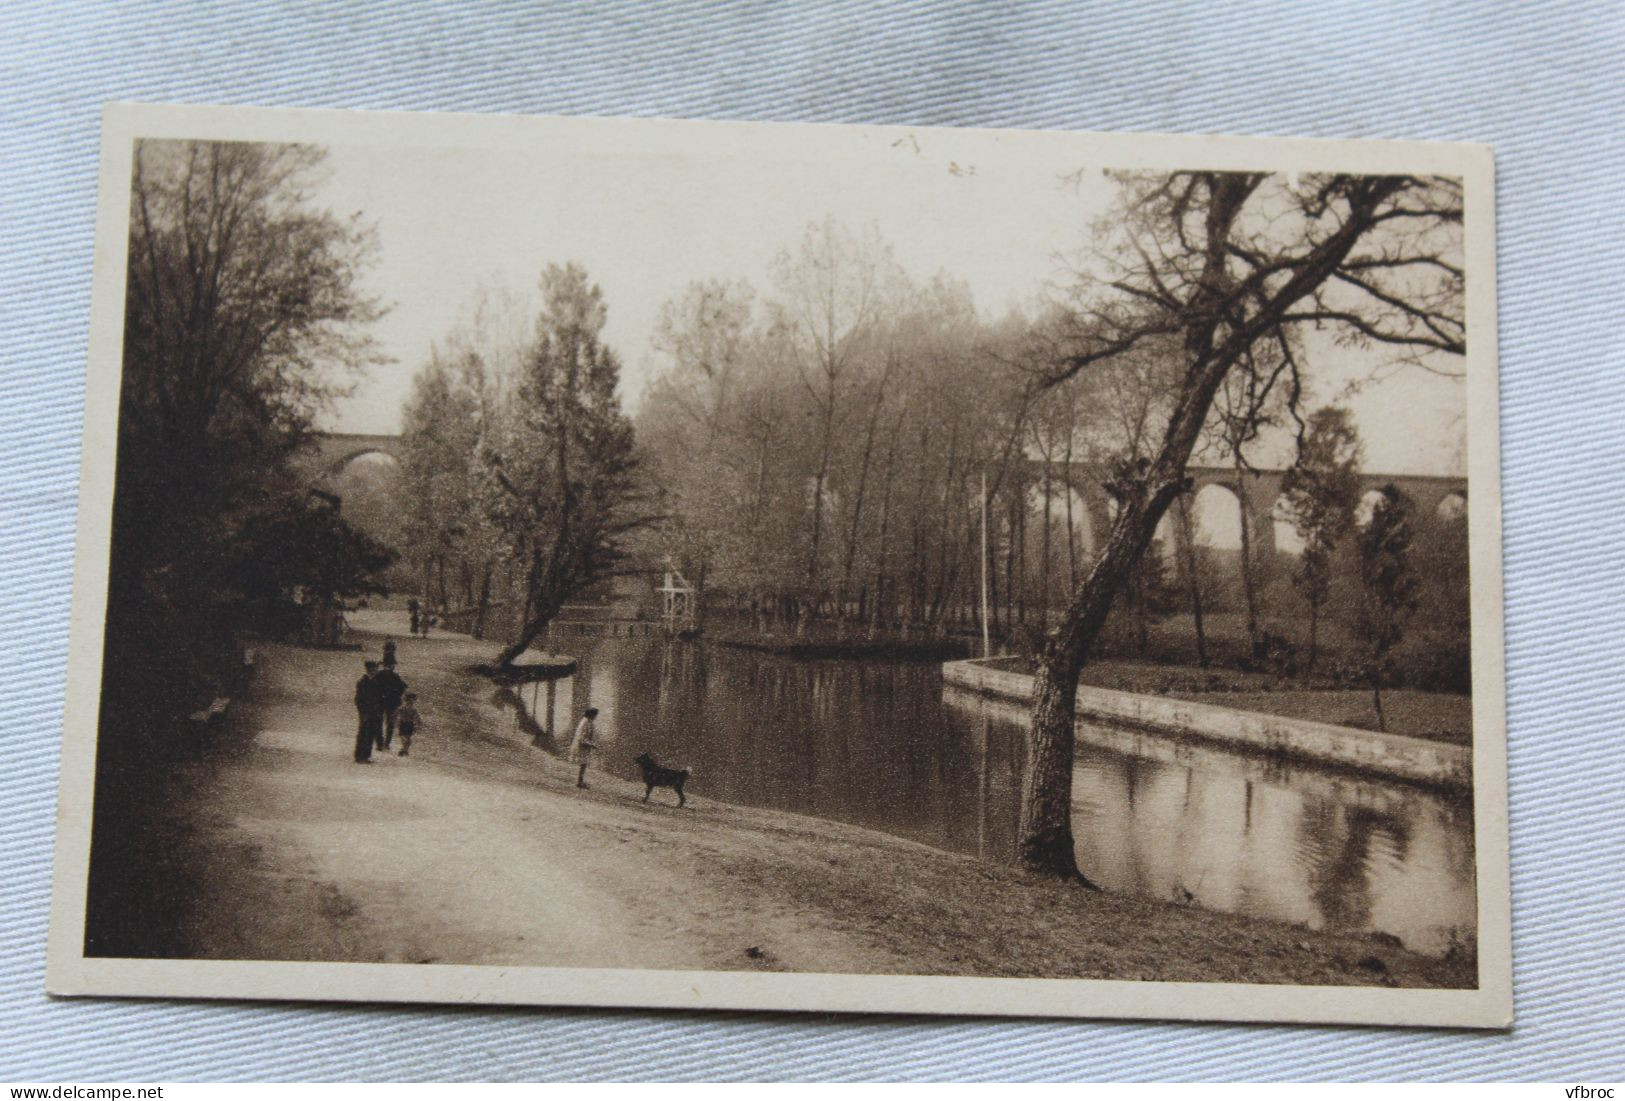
pixel 884 746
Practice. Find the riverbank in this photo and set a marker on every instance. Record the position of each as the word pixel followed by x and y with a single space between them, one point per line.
pixel 1392 756
pixel 1433 716
pixel 927 649
pixel 478 849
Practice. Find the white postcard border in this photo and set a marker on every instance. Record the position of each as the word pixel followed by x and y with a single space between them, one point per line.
pixel 69 972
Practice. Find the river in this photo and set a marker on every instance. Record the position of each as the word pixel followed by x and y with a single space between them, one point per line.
pixel 885 746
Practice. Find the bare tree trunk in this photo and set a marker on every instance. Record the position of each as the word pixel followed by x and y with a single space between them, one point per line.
pixel 528 633
pixel 916 577
pixel 540 609
pixel 1045 840
pixel 1044 592
pixel 944 590
pixel 484 604
pixel 882 562
pixel 1071 522
pixel 915 613
pixel 1046 843
pixel 1009 574
pixel 857 513
pixel 1021 555
pixel 1187 540
pixel 1248 590
pixel 819 482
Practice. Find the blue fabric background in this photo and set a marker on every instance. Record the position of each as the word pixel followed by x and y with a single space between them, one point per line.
pixel 1542 82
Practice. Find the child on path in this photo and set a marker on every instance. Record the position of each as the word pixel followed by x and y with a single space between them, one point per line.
pixel 409 721
pixel 582 746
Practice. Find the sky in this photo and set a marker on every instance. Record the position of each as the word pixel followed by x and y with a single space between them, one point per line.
pixel 648 217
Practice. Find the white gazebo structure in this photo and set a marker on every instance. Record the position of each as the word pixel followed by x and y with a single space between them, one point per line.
pixel 680 599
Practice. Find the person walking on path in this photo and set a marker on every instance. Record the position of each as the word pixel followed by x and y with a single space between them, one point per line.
pixel 369 714
pixel 391 690
pixel 582 745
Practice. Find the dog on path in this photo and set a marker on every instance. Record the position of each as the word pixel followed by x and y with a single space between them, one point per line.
pixel 656 777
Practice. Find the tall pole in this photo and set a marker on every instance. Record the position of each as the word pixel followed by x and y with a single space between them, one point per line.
pixel 987 642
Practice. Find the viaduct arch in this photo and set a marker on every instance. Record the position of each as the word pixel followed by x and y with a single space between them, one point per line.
pixel 328 453
pixel 1256 492
pixel 331 452
pixel 1438 498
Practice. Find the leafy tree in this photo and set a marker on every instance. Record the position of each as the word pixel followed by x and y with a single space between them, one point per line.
pixel 695 419
pixel 242 315
pixel 306 546
pixel 917 400
pixel 1223 264
pixel 1437 653
pixel 560 472
pixel 836 287
pixel 1388 586
pixel 1321 491
pixel 444 423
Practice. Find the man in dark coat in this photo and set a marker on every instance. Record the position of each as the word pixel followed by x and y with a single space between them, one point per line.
pixel 391 690
pixel 369 711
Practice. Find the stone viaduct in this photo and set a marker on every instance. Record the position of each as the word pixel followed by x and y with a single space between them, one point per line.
pixel 331 452
pixel 1256 494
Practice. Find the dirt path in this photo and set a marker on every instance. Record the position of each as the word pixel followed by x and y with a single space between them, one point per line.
pixel 478 849
pixel 468 851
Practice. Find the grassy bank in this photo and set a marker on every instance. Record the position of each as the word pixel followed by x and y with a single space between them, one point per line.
pixel 955 915
pixel 1435 716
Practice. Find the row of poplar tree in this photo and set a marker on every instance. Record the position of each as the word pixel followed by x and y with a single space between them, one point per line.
pixel 819 458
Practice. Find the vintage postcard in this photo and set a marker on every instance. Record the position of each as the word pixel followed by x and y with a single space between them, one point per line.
pixel 880 569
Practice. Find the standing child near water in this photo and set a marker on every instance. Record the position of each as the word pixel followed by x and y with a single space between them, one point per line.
pixel 409 721
pixel 582 746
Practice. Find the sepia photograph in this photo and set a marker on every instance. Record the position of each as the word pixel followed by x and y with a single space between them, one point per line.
pixel 728 565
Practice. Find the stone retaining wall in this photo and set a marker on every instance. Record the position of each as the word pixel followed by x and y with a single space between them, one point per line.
pixel 1393 755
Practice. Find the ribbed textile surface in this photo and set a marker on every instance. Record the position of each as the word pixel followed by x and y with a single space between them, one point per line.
pixel 1542 82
